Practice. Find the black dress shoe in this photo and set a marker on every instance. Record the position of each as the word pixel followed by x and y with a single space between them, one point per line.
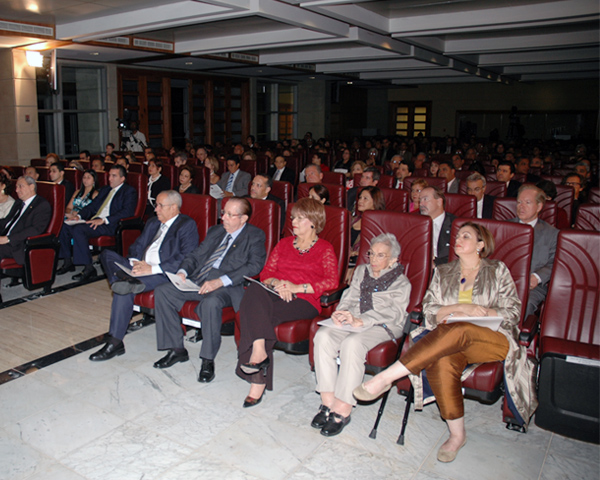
pixel 86 274
pixel 207 371
pixel 333 427
pixel 320 418
pixel 129 285
pixel 171 359
pixel 107 352
pixel 252 402
pixel 65 268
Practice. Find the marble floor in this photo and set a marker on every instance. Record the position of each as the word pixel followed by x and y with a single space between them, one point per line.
pixel 123 419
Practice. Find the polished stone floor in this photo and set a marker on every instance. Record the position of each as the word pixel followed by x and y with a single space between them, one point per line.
pixel 123 419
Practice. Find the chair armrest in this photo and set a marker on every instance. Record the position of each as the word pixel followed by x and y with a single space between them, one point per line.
pixel 416 316
pixel 131 223
pixel 44 240
pixel 330 297
pixel 529 330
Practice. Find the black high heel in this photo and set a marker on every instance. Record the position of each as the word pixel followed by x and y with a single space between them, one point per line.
pixel 252 368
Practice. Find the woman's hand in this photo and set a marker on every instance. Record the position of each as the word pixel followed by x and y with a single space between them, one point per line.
pixel 463 310
pixel 343 317
pixel 286 290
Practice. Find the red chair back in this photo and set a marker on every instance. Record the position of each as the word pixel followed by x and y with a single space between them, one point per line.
pixel 594 195
pixel 385 181
pixel 74 176
pixel 172 173
pixel 334 178
pixel 495 189
pixel 588 217
pixel 283 190
pixel 55 194
pixel 266 215
pixel 337 193
pixel 555 179
pixel 139 181
pixel 462 175
pixel 572 310
pixel 102 179
pixel 461 205
pixel 202 209
pixel 514 246
pixel 249 166
pixel 414 234
pixel 202 179
pixel 336 232
pixel 564 199
pixel 396 200
pixel 506 209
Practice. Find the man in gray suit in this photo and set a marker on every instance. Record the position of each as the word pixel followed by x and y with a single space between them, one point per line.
pixel 448 171
pixel 234 183
pixel 530 202
pixel 229 252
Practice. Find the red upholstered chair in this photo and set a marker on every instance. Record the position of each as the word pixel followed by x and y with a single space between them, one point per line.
pixel 172 173
pixel 74 176
pixel 555 179
pixel 495 189
pixel 203 210
pixel 569 345
pixel 337 193
pixel 334 178
pixel 421 172
pixel 462 175
pixel 385 181
pixel 594 195
pixel 266 215
pixel 564 199
pixel 461 205
pixel 283 190
pixel 249 166
pixel 262 164
pixel 202 179
pixel 588 217
pixel 41 251
pixel 431 181
pixel 396 200
pixel 293 337
pixel 506 209
pixel 129 228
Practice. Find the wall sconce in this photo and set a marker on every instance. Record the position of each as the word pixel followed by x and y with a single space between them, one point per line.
pixel 34 59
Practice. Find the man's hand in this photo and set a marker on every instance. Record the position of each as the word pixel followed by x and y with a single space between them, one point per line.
pixel 141 268
pixel 4 240
pixel 95 223
pixel 228 194
pixel 182 276
pixel 533 282
pixel 210 286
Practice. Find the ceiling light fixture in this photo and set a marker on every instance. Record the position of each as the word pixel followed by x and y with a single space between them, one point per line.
pixel 189 63
pixel 311 78
pixel 34 59
pixel 94 54
pixel 33 7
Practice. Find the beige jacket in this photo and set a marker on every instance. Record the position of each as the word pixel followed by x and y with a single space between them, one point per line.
pixel 493 288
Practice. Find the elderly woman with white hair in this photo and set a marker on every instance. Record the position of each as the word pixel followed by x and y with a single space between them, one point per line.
pixel 370 312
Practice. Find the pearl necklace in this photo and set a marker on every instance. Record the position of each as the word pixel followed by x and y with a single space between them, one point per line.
pixel 306 250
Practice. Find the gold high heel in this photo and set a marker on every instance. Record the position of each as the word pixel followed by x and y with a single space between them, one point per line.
pixel 362 394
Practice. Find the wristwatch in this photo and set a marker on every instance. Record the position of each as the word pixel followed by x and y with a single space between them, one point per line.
pixel 305 287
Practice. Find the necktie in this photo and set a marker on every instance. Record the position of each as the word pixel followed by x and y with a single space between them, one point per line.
pixel 229 186
pixel 104 204
pixel 157 236
pixel 14 220
pixel 212 259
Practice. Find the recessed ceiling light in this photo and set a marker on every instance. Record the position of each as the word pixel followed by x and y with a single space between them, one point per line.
pixel 189 63
pixel 349 83
pixel 94 54
pixel 259 71
pixel 33 7
pixel 312 78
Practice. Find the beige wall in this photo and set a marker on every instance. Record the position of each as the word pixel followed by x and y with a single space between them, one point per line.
pixel 19 141
pixel 538 96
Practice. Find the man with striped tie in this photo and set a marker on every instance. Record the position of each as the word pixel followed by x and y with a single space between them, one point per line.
pixel 229 252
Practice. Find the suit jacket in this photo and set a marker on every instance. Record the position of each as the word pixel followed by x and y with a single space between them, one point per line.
pixel 493 288
pixel 34 221
pixel 455 186
pixel 240 184
pixel 488 206
pixel 512 189
pixel 162 184
pixel 245 257
pixel 122 205
pixel 351 198
pixel 281 204
pixel 443 244
pixel 180 239
pixel 69 190
pixel 287 175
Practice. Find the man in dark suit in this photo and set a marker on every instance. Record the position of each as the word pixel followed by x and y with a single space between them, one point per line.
pixel 30 216
pixel 230 251
pixel 57 175
pixel 102 217
pixel 235 181
pixel 369 178
pixel 530 201
pixel 279 172
pixel 505 173
pixel 260 189
pixel 476 185
pixel 387 152
pixel 432 202
pixel 157 183
pixel 165 241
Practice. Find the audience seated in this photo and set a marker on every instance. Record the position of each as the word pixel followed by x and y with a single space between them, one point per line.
pixel 260 189
pixel 7 202
pixel 578 183
pixel 280 172
pixel 403 170
pixel 234 182
pixel 448 171
pixel 320 193
pixel 432 202
pixel 186 176
pixel 369 178
pixel 84 196
pixel 157 183
pixel 505 171
pixel 57 175
pixel 476 184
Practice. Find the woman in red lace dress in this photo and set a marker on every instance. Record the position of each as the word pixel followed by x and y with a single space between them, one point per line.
pixel 300 268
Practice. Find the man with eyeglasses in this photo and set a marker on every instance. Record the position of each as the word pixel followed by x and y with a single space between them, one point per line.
pixel 577 183
pixel 161 247
pixel 230 251
pixel 476 185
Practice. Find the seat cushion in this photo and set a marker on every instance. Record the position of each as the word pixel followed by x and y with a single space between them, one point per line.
pixel 569 347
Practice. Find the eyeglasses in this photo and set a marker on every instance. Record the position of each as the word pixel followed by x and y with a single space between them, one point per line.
pixel 379 256
pixel 572 184
pixel 292 218
pixel 476 189
pixel 163 205
pixel 230 215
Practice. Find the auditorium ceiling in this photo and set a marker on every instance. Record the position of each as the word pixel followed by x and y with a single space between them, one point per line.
pixel 370 43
